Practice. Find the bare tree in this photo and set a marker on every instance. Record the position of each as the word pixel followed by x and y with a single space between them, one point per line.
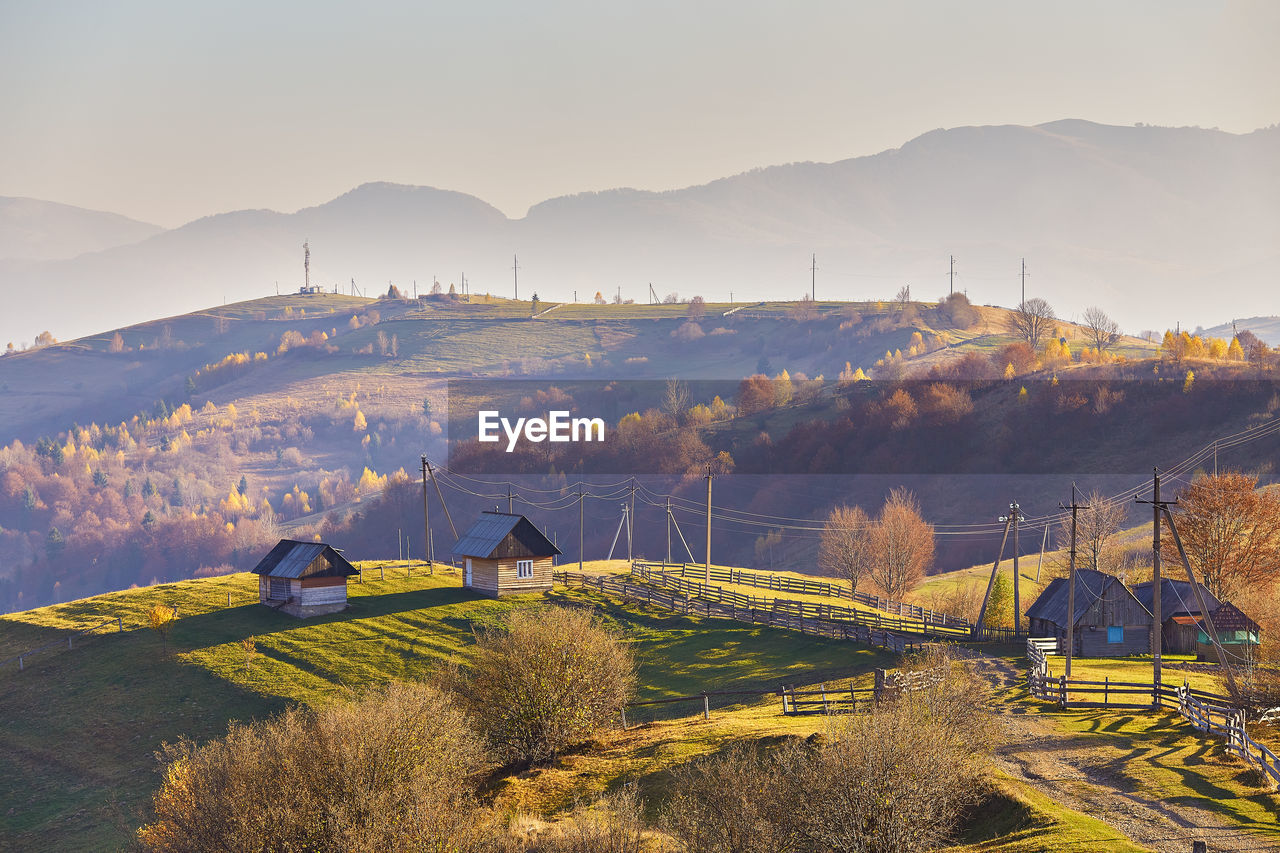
pixel 1103 332
pixel 1032 320
pixel 846 549
pixel 676 399
pixel 903 542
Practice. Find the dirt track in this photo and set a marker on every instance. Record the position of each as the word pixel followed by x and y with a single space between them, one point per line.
pixel 1064 770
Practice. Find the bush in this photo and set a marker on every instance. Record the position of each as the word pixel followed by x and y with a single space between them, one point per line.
pixel 546 680
pixel 894 780
pixel 388 772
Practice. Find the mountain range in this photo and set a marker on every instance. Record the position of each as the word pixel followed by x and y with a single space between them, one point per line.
pixel 1155 225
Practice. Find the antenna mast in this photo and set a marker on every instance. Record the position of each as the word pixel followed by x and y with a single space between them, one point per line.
pixel 306 264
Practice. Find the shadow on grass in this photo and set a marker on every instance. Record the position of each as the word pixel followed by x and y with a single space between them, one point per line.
pixel 236 623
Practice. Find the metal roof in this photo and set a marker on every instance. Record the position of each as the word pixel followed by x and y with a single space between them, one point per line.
pixel 1090 586
pixel 492 529
pixel 1175 597
pixel 290 559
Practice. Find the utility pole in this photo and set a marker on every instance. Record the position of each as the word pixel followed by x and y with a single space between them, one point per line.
pixel 1157 586
pixel 306 265
pixel 952 289
pixel 1071 582
pixel 579 526
pixel 509 499
pixel 515 272
pixel 1024 282
pixel 426 518
pixel 443 505
pixel 813 278
pixel 708 573
pixel 668 529
pixel 995 567
pixel 631 514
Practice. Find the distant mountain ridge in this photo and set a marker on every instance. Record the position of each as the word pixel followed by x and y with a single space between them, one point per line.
pixel 1142 221
pixel 36 230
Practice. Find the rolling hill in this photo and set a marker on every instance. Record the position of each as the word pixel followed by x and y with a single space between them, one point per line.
pixel 1106 215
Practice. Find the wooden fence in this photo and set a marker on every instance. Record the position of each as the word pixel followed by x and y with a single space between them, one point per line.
pixel 687 605
pixel 58 644
pixel 836 700
pixel 805 586
pixel 653 575
pixel 1207 712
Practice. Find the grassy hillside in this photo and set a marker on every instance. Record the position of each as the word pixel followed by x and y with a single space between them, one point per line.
pixel 82 724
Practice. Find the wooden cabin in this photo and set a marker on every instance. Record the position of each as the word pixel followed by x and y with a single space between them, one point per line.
pixel 1108 620
pixel 1237 634
pixel 1179 613
pixel 304 578
pixel 504 554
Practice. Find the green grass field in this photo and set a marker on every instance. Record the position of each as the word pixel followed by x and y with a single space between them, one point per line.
pixel 82 725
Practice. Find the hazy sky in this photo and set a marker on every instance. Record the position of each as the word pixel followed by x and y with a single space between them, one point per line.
pixel 168 111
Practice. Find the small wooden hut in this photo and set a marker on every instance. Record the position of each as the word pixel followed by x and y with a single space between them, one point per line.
pixel 505 553
pixel 304 578
pixel 1108 620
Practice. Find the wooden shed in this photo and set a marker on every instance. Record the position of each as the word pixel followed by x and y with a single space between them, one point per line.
pixel 504 553
pixel 304 578
pixel 1108 620
pixel 1179 613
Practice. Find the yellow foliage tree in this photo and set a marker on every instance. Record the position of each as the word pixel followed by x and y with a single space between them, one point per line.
pixel 359 424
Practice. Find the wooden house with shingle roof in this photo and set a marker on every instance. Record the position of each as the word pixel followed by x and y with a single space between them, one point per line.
pixel 505 553
pixel 304 578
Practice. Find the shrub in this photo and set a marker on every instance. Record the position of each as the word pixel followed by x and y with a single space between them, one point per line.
pixel 388 772
pixel 894 780
pixel 547 679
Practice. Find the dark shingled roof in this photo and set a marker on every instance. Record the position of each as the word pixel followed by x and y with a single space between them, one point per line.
pixel 1228 617
pixel 1175 597
pixel 290 559
pixel 504 535
pixel 1052 603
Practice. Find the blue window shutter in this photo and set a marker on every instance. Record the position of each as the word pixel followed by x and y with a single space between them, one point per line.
pixel 1115 634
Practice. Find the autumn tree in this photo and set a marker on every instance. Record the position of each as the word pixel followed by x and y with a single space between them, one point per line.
pixel 1100 330
pixel 846 549
pixel 547 679
pixel 903 543
pixel 1231 532
pixel 697 308
pixel 160 618
pixel 1032 321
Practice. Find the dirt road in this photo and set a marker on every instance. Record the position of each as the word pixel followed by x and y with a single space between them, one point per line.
pixel 1068 770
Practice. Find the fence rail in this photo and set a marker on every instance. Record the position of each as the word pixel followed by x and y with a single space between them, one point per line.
pixel 804 586
pixel 22 657
pixel 652 574
pixel 1208 712
pixel 687 605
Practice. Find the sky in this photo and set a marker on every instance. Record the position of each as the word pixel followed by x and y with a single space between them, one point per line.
pixel 167 112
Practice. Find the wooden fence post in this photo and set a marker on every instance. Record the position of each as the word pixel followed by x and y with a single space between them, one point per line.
pixel 120 623
pixel 706 707
pixel 21 667
pixel 1106 690
pixel 68 641
pixel 853 699
pixel 879 688
pixel 826 709
pixel 228 599
pixel 1062 687
pixel 623 710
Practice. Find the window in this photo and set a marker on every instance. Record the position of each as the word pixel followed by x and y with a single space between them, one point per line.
pixel 1115 634
pixel 524 568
